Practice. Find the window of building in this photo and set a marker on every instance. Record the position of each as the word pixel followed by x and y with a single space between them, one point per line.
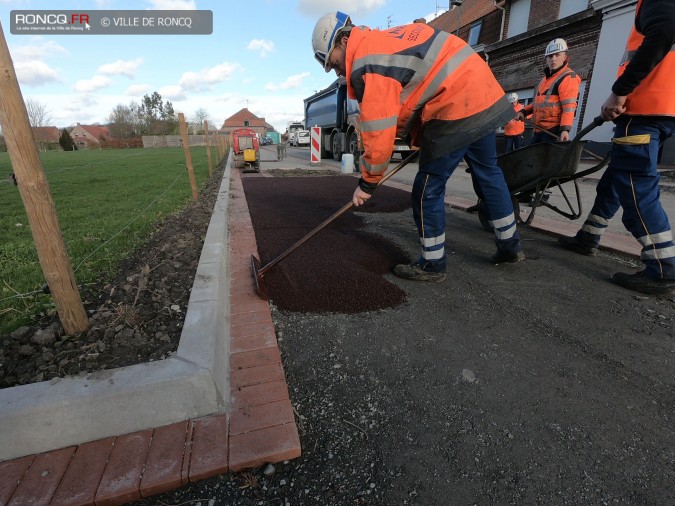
pixel 569 7
pixel 519 14
pixel 246 122
pixel 474 33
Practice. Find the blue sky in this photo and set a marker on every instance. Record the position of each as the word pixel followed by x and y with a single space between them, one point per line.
pixel 259 56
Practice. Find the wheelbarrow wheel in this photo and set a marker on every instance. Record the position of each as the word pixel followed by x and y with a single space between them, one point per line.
pixel 483 215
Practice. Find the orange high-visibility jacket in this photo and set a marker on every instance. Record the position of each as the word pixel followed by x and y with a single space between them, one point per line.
pixel 655 95
pixel 515 127
pixel 424 85
pixel 555 100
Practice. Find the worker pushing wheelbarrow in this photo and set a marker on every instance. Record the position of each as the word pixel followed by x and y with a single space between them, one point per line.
pixel 531 172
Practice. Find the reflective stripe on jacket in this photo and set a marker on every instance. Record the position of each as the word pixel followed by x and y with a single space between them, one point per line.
pixel 655 95
pixel 424 85
pixel 515 127
pixel 555 100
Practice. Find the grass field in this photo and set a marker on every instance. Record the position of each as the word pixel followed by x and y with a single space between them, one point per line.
pixel 106 202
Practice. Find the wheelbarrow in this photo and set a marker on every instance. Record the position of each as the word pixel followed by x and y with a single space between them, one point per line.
pixel 530 172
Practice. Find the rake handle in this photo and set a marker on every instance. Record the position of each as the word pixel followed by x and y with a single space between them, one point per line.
pixel 332 218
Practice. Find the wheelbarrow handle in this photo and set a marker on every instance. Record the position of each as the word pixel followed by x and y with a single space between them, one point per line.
pixel 597 121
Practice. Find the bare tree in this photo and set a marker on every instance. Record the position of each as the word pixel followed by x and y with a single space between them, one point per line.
pixel 125 121
pixel 38 114
pixel 197 122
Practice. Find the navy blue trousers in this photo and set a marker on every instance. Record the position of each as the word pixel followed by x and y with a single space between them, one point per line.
pixel 428 201
pixel 512 142
pixel 631 182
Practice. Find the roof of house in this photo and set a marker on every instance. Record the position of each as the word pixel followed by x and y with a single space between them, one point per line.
pixel 467 13
pixel 47 133
pixel 96 131
pixel 238 119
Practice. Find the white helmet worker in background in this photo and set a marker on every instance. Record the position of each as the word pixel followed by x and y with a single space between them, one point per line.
pixel 556 54
pixel 513 97
pixel 325 35
pixel 556 46
pixel 555 97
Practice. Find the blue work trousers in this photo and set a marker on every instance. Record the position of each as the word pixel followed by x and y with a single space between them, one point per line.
pixel 428 201
pixel 631 181
pixel 512 142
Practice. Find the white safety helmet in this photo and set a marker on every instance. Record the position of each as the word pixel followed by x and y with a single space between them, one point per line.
pixel 556 46
pixel 513 97
pixel 326 33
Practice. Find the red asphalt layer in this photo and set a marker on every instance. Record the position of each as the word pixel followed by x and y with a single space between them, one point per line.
pixel 259 428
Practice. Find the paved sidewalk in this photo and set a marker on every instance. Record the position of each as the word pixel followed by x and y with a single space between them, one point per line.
pixel 258 427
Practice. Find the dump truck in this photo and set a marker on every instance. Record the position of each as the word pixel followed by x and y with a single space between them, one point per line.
pixel 246 149
pixel 338 116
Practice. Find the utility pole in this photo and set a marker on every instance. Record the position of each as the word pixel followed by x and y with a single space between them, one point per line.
pixel 389 21
pixel 37 199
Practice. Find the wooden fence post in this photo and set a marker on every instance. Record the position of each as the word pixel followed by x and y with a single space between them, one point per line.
pixel 188 155
pixel 208 147
pixel 37 199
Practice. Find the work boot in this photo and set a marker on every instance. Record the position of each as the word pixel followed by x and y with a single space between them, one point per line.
pixel 502 257
pixel 640 282
pixel 574 244
pixel 415 273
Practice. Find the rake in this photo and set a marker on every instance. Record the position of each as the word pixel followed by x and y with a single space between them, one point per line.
pixel 259 270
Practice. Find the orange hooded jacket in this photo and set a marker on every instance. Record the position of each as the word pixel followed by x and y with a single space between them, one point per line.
pixel 655 95
pixel 424 85
pixel 515 127
pixel 555 100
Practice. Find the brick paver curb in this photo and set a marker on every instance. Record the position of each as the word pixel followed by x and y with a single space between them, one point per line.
pixel 259 426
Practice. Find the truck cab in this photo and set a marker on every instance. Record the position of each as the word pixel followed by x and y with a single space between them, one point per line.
pixel 338 116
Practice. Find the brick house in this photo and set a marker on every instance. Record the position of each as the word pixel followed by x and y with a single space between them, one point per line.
pixel 244 119
pixel 46 134
pixel 512 35
pixel 89 136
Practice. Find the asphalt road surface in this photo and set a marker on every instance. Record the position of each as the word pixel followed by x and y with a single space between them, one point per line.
pixel 534 383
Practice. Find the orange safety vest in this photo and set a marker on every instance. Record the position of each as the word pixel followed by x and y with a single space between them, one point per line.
pixel 655 95
pixel 515 127
pixel 423 85
pixel 555 100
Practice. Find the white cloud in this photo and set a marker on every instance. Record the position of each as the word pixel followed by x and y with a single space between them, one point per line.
pixel 93 84
pixel 290 82
pixel 173 5
pixel 434 15
pixel 351 7
pixel 37 51
pixel 172 93
pixel 35 73
pixel 206 78
pixel 121 68
pixel 136 90
pixel 264 47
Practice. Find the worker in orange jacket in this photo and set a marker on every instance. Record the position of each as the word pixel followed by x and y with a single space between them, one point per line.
pixel 555 97
pixel 642 106
pixel 431 88
pixel 513 130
